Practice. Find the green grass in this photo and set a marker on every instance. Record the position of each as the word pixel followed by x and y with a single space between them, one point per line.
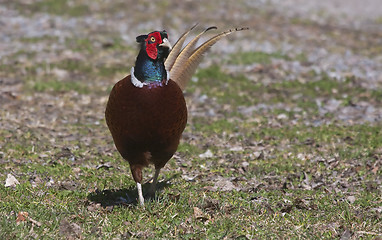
pixel 55 7
pixel 235 215
pixel 41 77
pixel 256 57
pixel 227 89
pixel 378 20
pixel 263 213
pixel 238 90
pixel 80 45
pixel 58 86
pixel 271 201
pixel 286 178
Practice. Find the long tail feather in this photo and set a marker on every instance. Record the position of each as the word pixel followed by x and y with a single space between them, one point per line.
pixel 176 49
pixel 188 67
pixel 184 55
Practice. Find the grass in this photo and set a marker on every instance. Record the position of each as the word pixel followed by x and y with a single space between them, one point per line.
pixel 240 91
pixel 234 216
pixel 59 7
pixel 42 77
pixel 58 190
pixel 58 86
pixel 234 213
pixel 284 177
pixel 256 57
pixel 270 201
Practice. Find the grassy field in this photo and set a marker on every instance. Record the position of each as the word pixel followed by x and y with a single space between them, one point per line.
pixel 269 151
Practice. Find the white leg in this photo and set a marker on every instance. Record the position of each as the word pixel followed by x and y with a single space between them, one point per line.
pixel 140 195
pixel 155 181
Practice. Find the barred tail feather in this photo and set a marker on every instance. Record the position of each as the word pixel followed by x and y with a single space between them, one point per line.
pixel 176 49
pixel 184 55
pixel 186 65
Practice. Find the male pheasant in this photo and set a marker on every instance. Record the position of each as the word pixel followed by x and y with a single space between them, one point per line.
pixel 146 112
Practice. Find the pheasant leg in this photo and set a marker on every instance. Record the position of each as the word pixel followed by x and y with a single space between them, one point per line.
pixel 140 195
pixel 154 184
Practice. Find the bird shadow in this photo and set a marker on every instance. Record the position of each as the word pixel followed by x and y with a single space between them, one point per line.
pixel 126 196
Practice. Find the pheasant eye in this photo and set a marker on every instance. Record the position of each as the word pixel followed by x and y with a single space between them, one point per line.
pixel 152 39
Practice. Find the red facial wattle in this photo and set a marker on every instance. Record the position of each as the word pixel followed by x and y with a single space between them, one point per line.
pixel 151 46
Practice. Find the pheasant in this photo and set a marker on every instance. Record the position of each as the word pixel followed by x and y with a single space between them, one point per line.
pixel 146 112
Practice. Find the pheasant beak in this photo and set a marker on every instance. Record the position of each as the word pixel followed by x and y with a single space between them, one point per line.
pixel 166 43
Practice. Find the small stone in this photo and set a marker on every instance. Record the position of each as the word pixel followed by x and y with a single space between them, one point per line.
pixel 225 185
pixel 60 73
pixel 351 199
pixel 207 154
pixel 11 181
pixel 282 116
pixel 236 149
pixel 257 154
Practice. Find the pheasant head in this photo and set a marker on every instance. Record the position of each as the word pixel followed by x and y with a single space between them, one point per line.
pixel 149 66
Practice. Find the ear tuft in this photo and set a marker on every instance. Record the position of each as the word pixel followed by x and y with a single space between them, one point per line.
pixel 141 38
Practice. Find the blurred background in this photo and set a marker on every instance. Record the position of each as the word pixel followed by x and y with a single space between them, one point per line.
pixel 293 104
pixel 83 47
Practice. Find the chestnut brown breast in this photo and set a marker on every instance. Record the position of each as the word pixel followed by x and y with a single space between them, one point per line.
pixel 146 123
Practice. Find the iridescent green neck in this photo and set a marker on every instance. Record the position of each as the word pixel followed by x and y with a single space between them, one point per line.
pixel 149 70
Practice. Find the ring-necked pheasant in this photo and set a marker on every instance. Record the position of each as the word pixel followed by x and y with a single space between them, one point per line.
pixel 146 112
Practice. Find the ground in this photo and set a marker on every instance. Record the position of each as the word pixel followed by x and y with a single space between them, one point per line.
pixel 283 137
